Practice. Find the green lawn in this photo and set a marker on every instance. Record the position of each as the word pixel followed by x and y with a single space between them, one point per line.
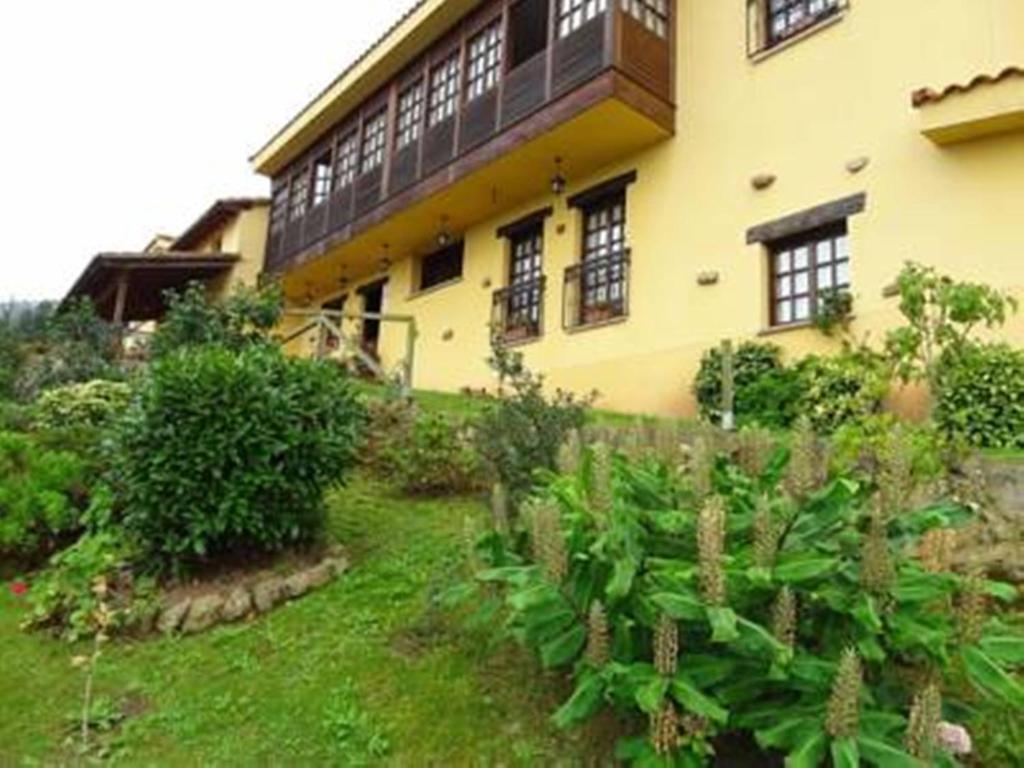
pixel 368 670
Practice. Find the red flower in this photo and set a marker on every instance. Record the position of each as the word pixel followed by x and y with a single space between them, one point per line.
pixel 19 588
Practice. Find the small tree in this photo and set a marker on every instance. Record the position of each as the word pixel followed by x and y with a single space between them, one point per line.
pixel 942 315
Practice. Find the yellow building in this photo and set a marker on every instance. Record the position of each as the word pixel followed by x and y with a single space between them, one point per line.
pixel 620 184
pixel 223 248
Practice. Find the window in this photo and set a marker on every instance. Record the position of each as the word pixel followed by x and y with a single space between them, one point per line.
pixel 444 89
pixel 653 14
pixel 786 18
pixel 410 115
pixel 526 282
pixel 345 160
pixel 441 267
pixel 298 198
pixel 322 171
pixel 573 14
pixel 279 208
pixel 527 31
pixel 604 256
pixel 374 137
pixel 803 268
pixel 484 61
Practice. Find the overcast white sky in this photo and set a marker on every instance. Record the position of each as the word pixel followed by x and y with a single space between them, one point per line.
pixel 121 118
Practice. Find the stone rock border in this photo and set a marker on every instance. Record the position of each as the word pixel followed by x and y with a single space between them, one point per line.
pixel 192 615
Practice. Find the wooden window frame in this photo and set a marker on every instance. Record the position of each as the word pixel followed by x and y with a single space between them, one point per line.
pixel 298 195
pixel 571 15
pixel 409 121
pixel 654 15
pixel 322 183
pixel 424 271
pixel 346 159
pixel 443 89
pixel 485 57
pixel 374 141
pixel 836 234
pixel 279 207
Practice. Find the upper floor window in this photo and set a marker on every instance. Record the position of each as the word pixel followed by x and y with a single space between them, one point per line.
pixel 444 89
pixel 484 61
pixel 804 268
pixel 279 207
pixel 374 138
pixel 346 159
pixel 410 116
pixel 527 30
pixel 441 267
pixel 786 18
pixel 653 14
pixel 298 198
pixel 573 14
pixel 322 173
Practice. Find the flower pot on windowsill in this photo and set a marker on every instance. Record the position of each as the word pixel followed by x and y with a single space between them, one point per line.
pixel 600 313
pixel 514 333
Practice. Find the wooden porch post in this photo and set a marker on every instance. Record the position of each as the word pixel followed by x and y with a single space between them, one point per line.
pixel 120 299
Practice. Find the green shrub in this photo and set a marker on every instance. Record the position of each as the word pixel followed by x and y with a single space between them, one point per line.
pixel 435 458
pixel 765 391
pixel 244 318
pixel 89 406
pixel 229 451
pixel 11 358
pixel 981 396
pixel 815 621
pixel 841 389
pixel 520 431
pixel 42 495
pixel 66 596
pixel 390 421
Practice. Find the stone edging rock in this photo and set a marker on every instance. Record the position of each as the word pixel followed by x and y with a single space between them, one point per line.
pixel 192 615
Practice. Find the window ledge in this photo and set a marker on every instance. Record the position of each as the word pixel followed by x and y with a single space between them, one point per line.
pixel 433 289
pixel 521 342
pixel 774 330
pixel 767 53
pixel 598 324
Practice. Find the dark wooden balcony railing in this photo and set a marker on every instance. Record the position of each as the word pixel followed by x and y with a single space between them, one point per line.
pixel 596 291
pixel 518 311
pixel 499 119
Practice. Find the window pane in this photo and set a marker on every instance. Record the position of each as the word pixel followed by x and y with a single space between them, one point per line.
pixel 784 287
pixel 843 274
pixel 824 278
pixel 800 257
pixel 783 313
pixel 802 283
pixel 824 251
pixel 802 309
pixel 783 262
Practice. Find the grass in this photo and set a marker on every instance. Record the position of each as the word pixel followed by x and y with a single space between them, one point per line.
pixel 368 670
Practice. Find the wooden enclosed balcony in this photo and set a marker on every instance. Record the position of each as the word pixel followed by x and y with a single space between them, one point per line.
pixel 476 123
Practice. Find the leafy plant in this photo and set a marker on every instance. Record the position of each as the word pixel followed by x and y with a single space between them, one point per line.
pixel 521 430
pixel 91 405
pixel 435 458
pixel 941 316
pixel 980 395
pixel 842 388
pixel 244 318
pixel 822 620
pixel 389 423
pixel 765 391
pixel 42 495
pixel 230 451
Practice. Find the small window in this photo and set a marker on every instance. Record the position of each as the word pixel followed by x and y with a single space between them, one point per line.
pixel 526 281
pixel 410 116
pixel 298 198
pixel 653 14
pixel 444 89
pixel 374 137
pixel 441 267
pixel 786 18
pixel 605 259
pixel 527 31
pixel 804 268
pixel 573 14
pixel 279 208
pixel 322 172
pixel 484 61
pixel 346 159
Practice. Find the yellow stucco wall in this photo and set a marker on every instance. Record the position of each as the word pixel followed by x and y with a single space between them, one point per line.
pixel 800 114
pixel 244 234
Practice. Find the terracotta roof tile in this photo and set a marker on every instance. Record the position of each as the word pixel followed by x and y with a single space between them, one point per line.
pixel 923 96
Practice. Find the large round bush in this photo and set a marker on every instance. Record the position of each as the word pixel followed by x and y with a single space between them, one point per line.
pixel 228 451
pixel 765 391
pixel 842 389
pixel 981 396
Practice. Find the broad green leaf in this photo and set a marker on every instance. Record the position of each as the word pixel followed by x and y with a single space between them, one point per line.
pixel 707 670
pixel 845 754
pixel 723 625
pixel 784 734
pixel 991 678
pixel 650 695
pixel 623 574
pixel 880 754
pixel 866 615
pixel 583 703
pixel 564 648
pixel 810 752
pixel 511 574
pixel 1005 649
pixel 922 587
pixel 1007 593
pixel 796 569
pixel 679 606
pixel 687 694
pixel 760 637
